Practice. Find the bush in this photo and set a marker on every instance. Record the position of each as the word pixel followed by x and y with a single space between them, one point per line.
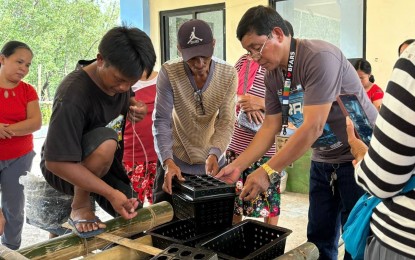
pixel 46 110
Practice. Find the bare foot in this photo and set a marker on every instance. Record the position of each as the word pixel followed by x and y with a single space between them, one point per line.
pixel 2 222
pixel 86 220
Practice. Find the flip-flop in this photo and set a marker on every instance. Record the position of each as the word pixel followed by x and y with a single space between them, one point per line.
pixel 87 234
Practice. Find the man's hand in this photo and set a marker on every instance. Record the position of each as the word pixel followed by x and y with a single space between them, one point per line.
pixel 122 205
pixel 137 110
pixel 255 183
pixel 212 165
pixel 171 170
pixel 357 147
pixel 230 174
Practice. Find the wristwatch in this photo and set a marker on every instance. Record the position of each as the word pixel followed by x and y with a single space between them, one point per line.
pixel 273 175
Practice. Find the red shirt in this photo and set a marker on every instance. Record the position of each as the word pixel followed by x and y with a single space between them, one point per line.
pixel 375 93
pixel 12 110
pixel 136 148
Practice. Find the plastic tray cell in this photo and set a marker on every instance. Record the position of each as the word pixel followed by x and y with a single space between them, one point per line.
pixel 180 252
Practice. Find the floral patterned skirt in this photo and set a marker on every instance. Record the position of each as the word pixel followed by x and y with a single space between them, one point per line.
pixel 267 204
pixel 142 179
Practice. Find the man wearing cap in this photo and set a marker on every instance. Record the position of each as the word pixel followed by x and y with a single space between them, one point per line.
pixel 194 110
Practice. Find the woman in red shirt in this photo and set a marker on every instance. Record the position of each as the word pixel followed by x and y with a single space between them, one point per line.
pixel 374 92
pixel 140 158
pixel 19 117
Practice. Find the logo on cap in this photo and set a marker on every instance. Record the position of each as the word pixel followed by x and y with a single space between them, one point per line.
pixel 193 38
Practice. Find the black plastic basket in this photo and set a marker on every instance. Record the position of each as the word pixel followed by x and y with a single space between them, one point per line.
pixel 181 232
pixel 181 252
pixel 249 239
pixel 200 186
pixel 207 213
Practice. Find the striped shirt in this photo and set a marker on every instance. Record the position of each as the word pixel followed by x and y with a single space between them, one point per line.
pixel 241 139
pixel 390 161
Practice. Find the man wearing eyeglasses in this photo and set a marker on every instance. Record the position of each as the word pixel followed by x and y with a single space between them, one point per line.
pixel 302 81
pixel 194 112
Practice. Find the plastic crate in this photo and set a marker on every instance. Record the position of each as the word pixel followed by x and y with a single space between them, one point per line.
pixel 249 239
pixel 181 232
pixel 200 186
pixel 180 252
pixel 207 213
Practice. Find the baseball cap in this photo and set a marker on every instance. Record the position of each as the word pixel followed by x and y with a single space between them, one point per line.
pixel 195 39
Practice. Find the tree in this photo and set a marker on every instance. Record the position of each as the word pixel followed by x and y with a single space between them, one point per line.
pixel 59 32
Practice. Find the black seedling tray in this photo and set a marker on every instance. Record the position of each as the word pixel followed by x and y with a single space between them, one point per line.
pixel 208 214
pixel 181 252
pixel 181 232
pixel 202 186
pixel 250 239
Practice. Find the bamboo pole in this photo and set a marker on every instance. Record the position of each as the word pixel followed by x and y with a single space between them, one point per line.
pixel 7 253
pixel 122 252
pixel 123 241
pixel 71 246
pixel 306 251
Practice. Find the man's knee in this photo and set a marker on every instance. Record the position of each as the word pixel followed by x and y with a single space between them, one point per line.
pixel 100 160
pixel 99 146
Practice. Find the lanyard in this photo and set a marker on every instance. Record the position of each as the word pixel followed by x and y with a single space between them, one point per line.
pixel 287 87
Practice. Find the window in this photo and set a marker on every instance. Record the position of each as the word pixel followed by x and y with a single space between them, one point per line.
pixel 214 15
pixel 340 22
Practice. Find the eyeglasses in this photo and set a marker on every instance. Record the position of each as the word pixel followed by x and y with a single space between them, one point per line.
pixel 258 55
pixel 199 102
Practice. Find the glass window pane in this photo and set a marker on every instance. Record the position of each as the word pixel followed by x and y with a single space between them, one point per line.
pixel 174 24
pixel 215 21
pixel 338 22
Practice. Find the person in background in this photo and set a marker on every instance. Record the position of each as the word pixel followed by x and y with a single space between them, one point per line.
pixel 403 45
pixel 386 166
pixel 194 113
pixel 82 153
pixel 312 73
pixel 140 158
pixel 267 204
pixel 374 92
pixel 20 116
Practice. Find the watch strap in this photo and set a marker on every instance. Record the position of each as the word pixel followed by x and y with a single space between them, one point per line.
pixel 268 169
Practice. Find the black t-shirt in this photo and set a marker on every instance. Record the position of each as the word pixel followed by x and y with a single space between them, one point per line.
pixel 80 106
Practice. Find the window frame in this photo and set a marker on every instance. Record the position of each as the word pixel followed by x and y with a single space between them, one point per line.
pixel 273 4
pixel 194 11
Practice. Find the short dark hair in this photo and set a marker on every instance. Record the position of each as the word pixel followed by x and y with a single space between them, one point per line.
pixel 129 50
pixel 364 65
pixel 289 27
pixel 409 41
pixel 10 47
pixel 261 20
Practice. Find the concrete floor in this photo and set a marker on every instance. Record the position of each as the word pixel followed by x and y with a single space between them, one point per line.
pixel 293 216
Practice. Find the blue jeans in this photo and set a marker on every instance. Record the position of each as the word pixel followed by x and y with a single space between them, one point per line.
pixel 328 211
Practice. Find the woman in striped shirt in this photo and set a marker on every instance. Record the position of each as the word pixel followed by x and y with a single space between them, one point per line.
pixel 267 204
pixel 389 164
